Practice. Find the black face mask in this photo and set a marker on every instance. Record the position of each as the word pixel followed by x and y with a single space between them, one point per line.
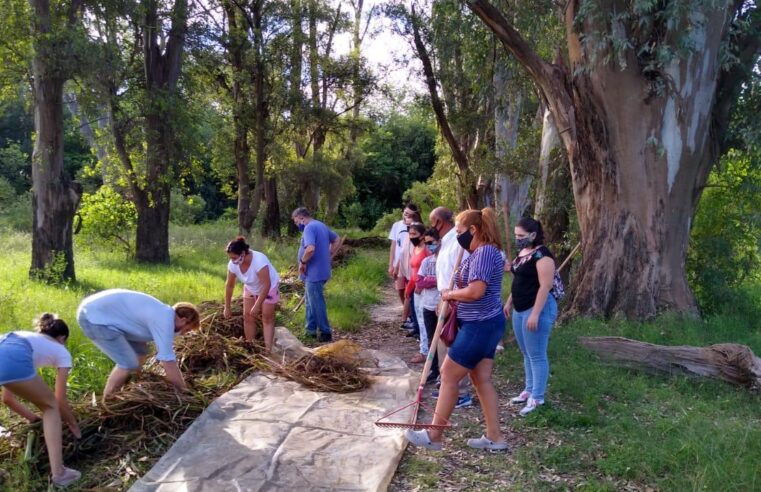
pixel 465 239
pixel 415 241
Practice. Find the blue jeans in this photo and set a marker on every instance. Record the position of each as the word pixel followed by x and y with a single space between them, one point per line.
pixel 317 312
pixel 533 345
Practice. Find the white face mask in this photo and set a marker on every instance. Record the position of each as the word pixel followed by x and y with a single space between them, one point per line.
pixel 240 259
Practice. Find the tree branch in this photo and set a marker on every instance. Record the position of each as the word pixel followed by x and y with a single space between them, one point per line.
pixel 438 108
pixel 732 81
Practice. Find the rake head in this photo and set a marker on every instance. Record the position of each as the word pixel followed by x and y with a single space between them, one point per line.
pixel 386 421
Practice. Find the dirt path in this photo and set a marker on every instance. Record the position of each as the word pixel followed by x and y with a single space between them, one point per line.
pixel 458 468
pixel 384 332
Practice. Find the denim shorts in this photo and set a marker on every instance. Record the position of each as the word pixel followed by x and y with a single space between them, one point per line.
pixel 112 342
pixel 16 362
pixel 477 340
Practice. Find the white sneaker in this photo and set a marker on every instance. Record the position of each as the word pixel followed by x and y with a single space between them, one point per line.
pixel 531 405
pixel 520 399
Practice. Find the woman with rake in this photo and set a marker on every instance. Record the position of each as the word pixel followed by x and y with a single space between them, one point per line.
pixel 260 289
pixel 481 325
pixel 21 354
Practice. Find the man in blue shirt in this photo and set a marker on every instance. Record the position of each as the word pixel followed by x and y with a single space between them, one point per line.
pixel 318 243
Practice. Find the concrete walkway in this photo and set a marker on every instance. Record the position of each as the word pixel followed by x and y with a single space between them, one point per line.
pixel 269 433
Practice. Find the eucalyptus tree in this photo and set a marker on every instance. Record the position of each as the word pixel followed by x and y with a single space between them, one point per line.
pixel 642 99
pixel 57 46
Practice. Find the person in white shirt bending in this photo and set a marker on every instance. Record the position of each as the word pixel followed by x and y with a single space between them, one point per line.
pixel 21 354
pixel 121 322
pixel 260 289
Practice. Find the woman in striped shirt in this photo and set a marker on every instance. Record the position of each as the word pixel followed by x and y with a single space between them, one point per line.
pixel 482 324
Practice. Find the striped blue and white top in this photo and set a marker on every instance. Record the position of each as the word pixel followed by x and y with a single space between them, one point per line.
pixel 487 264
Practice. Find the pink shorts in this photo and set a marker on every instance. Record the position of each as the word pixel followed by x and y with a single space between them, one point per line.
pixel 400 282
pixel 273 297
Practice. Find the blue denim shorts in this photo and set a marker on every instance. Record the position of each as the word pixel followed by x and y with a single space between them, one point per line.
pixel 477 340
pixel 112 342
pixel 16 362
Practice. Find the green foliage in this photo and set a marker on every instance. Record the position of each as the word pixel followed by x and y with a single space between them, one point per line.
pixel 7 192
pixel 16 212
pixel 107 218
pixel 15 167
pixel 655 33
pixel 725 244
pixel 398 153
pixel 186 210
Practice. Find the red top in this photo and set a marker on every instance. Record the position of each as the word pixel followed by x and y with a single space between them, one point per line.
pixel 415 261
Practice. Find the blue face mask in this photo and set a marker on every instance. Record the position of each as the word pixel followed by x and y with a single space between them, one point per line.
pixel 433 248
pixel 302 227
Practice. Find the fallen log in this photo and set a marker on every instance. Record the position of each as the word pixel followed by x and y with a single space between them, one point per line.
pixel 729 362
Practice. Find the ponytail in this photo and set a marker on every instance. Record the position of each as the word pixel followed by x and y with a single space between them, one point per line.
pixel 49 324
pixel 532 226
pixel 485 222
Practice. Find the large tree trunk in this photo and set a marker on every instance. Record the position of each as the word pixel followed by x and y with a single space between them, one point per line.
pixel 554 196
pixel 152 238
pixel 271 223
pixel 261 106
pixel 54 197
pixel 638 162
pixel 237 50
pixel 729 362
pixel 513 193
pixel 162 63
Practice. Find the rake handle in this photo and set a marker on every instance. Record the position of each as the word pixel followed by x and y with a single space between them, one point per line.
pixel 443 311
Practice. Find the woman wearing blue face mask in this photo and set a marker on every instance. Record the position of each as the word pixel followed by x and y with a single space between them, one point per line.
pixel 534 309
pixel 427 294
pixel 260 288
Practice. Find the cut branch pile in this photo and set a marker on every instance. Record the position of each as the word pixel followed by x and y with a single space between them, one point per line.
pixel 123 437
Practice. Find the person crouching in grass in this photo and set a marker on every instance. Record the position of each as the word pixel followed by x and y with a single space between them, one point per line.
pixel 121 322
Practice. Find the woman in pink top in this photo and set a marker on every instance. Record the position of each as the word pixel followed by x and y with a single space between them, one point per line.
pixel 418 254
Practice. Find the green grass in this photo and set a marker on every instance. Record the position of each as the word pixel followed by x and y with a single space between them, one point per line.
pixel 197 272
pixel 352 290
pixel 615 425
pixel 604 427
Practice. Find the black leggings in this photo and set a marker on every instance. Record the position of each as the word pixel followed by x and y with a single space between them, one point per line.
pixel 430 319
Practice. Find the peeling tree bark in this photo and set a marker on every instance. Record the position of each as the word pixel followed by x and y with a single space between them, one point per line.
pixel 638 164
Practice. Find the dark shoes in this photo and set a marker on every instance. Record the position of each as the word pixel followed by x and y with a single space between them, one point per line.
pixel 325 337
pixel 320 337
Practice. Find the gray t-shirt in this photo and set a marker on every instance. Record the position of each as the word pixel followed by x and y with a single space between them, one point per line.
pixel 138 316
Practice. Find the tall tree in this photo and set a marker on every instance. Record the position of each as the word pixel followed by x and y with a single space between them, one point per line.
pixel 463 108
pixel 162 62
pixel 642 107
pixel 55 30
